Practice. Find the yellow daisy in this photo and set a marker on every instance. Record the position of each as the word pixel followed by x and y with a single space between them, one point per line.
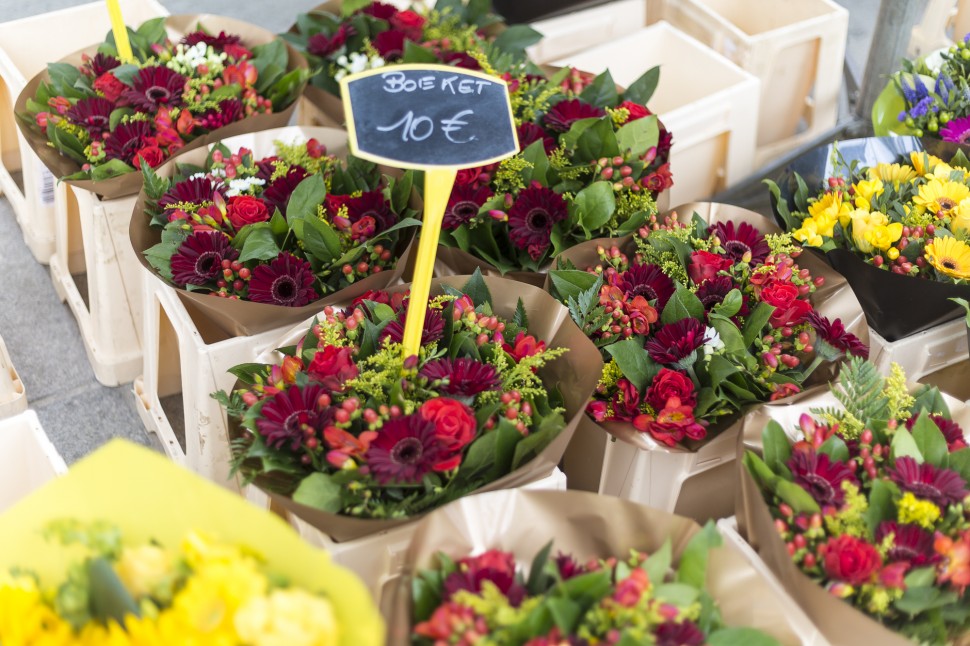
pixel 940 197
pixel 830 208
pixel 893 173
pixel 923 162
pixel 950 256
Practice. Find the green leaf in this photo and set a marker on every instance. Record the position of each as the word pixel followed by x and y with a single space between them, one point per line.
pixel 260 244
pixel 762 474
pixel 536 574
pixel 246 372
pixel 520 317
pixel 318 490
pixel 776 446
pixel 415 53
pixel 515 38
pixel 835 448
pixel 642 89
pixel 601 92
pixel 903 445
pixel 477 290
pixel 681 595
pixel 959 461
pixel 930 441
pixel 63 75
pixel 692 569
pixel 565 613
pixel 321 240
pixel 658 564
pixel 756 321
pixel 570 283
pixel 109 597
pixel 741 637
pixel 682 304
pixel 278 225
pixel 796 497
pixel 531 445
pixel 634 362
pixel 920 577
pixel 595 205
pixel 401 191
pixel 111 168
pixel 116 115
pixel 731 304
pixel 882 505
pixel 917 600
pixel 306 197
pixel 155 185
pixel 729 333
pixel 638 136
pixel 535 154
pixel 719 369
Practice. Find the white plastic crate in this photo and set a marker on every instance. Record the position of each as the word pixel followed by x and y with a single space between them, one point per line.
pixel 28 458
pixel 933 30
pixel 190 356
pixel 12 398
pixel 961 21
pixel 796 49
pixel 922 353
pixel 93 249
pixel 707 102
pixel 580 30
pixel 26 47
pixel 377 558
pixel 799 621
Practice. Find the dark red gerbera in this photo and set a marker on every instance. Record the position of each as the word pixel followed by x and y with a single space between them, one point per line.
pixel 463 377
pixel 950 429
pixel 265 167
pixel 370 204
pixel 284 416
pixel 911 543
pixel 93 114
pixel 126 140
pixel 101 63
pixel 380 10
pixel 286 281
pixel 434 327
pixel 154 87
pixel 494 566
pixel 277 193
pixel 530 133
pixel 564 114
pixel 834 334
pixel 821 476
pixel 199 259
pixel 405 450
pixel 323 45
pixel 739 240
pixel 195 190
pixel 940 486
pixel 390 44
pixel 676 341
pixel 229 111
pixel 463 60
pixel 685 633
pixel 648 281
pixel 217 42
pixel 713 290
pixel 463 205
pixel 569 567
pixel 532 217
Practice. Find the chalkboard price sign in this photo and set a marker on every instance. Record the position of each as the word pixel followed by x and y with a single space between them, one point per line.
pixel 429 116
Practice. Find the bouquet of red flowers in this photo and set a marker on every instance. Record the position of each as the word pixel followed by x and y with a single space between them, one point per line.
pixel 347 425
pixel 97 117
pixel 869 504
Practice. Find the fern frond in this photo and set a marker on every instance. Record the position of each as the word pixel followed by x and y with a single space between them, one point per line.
pixel 860 390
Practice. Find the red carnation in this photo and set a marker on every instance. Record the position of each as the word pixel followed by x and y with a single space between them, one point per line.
pixel 323 45
pixel 705 265
pixel 246 209
pixel 671 383
pixel 333 367
pixel 850 559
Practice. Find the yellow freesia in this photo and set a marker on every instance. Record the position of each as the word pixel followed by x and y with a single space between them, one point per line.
pixel 960 217
pixel 209 601
pixel 142 569
pixel 809 233
pixel 287 618
pixel 865 191
pixel 862 223
pixel 832 208
pixel 882 236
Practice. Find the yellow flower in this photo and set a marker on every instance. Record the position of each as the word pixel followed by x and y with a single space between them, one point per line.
pixel 25 618
pixel 830 207
pixel 808 234
pixel 950 256
pixel 940 197
pixel 882 236
pixel 862 222
pixel 144 568
pixel 865 191
pixel 921 512
pixel 923 162
pixel 287 618
pixel 200 549
pixel 960 217
pixel 892 253
pixel 893 173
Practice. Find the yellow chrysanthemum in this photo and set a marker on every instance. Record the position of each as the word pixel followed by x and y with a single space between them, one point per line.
pixel 950 256
pixel 865 191
pixel 830 207
pixel 960 217
pixel 862 222
pixel 144 568
pixel 919 512
pixel 940 197
pixel 882 236
pixel 25 618
pixel 894 174
pixel 287 618
pixel 923 162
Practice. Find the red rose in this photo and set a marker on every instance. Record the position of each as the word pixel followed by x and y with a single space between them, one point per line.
pixel 705 265
pixel 597 410
pixel 671 383
pixel 322 45
pixel 659 180
pixel 850 559
pixel 333 367
pixel 636 110
pixel 237 52
pixel 153 155
pixel 246 209
pixel 109 86
pixel 671 424
pixel 363 229
pixel 409 22
pixel 788 309
pixel 454 422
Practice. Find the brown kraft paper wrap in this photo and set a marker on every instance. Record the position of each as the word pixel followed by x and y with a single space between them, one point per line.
pixel 838 620
pixel 245 318
pixel 575 374
pixel 584 460
pixel 130 183
pixel 585 525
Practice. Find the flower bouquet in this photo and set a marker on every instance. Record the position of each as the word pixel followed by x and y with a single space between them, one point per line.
pixel 862 514
pixel 275 223
pixel 341 38
pixel 354 438
pixel 600 571
pixel 166 558
pixel 883 221
pixel 697 318
pixel 94 120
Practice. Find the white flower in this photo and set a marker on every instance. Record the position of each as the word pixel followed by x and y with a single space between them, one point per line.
pixel 712 340
pixel 243 185
pixel 934 60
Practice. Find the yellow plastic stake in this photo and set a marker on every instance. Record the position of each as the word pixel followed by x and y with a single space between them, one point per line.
pixel 437 190
pixel 120 32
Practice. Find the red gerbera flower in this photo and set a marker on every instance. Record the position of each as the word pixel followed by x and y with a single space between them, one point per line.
pixel 685 633
pixel 380 10
pixel 564 114
pixel 93 114
pixel 126 140
pixel 218 42
pixel 154 87
pixel 820 476
pixel 277 193
pixel 648 281
pixel 286 281
pixel 713 290
pixel 532 217
pixel 530 133
pixel 229 111
pixel 323 45
pixel 405 450
pixel 390 44
pixel 462 377
pixel 100 64
pixel 463 205
pixel 199 259
pixel 834 334
pixel 463 60
pixel 434 327
pixel 950 429
pixel 940 486
pixel 911 543
pixel 195 190
pixel 676 341
pixel 371 204
pixel 284 417
pixel 739 240
pixel 493 565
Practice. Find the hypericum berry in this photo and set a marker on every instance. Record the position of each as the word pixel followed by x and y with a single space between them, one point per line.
pixel 245 273
pixel 341 416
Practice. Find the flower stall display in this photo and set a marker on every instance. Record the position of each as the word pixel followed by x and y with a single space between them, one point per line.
pixel 860 511
pixel 166 558
pixel 538 567
pixel 353 437
pixel 94 119
pixel 895 226
pixel 699 317
pixel 261 230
